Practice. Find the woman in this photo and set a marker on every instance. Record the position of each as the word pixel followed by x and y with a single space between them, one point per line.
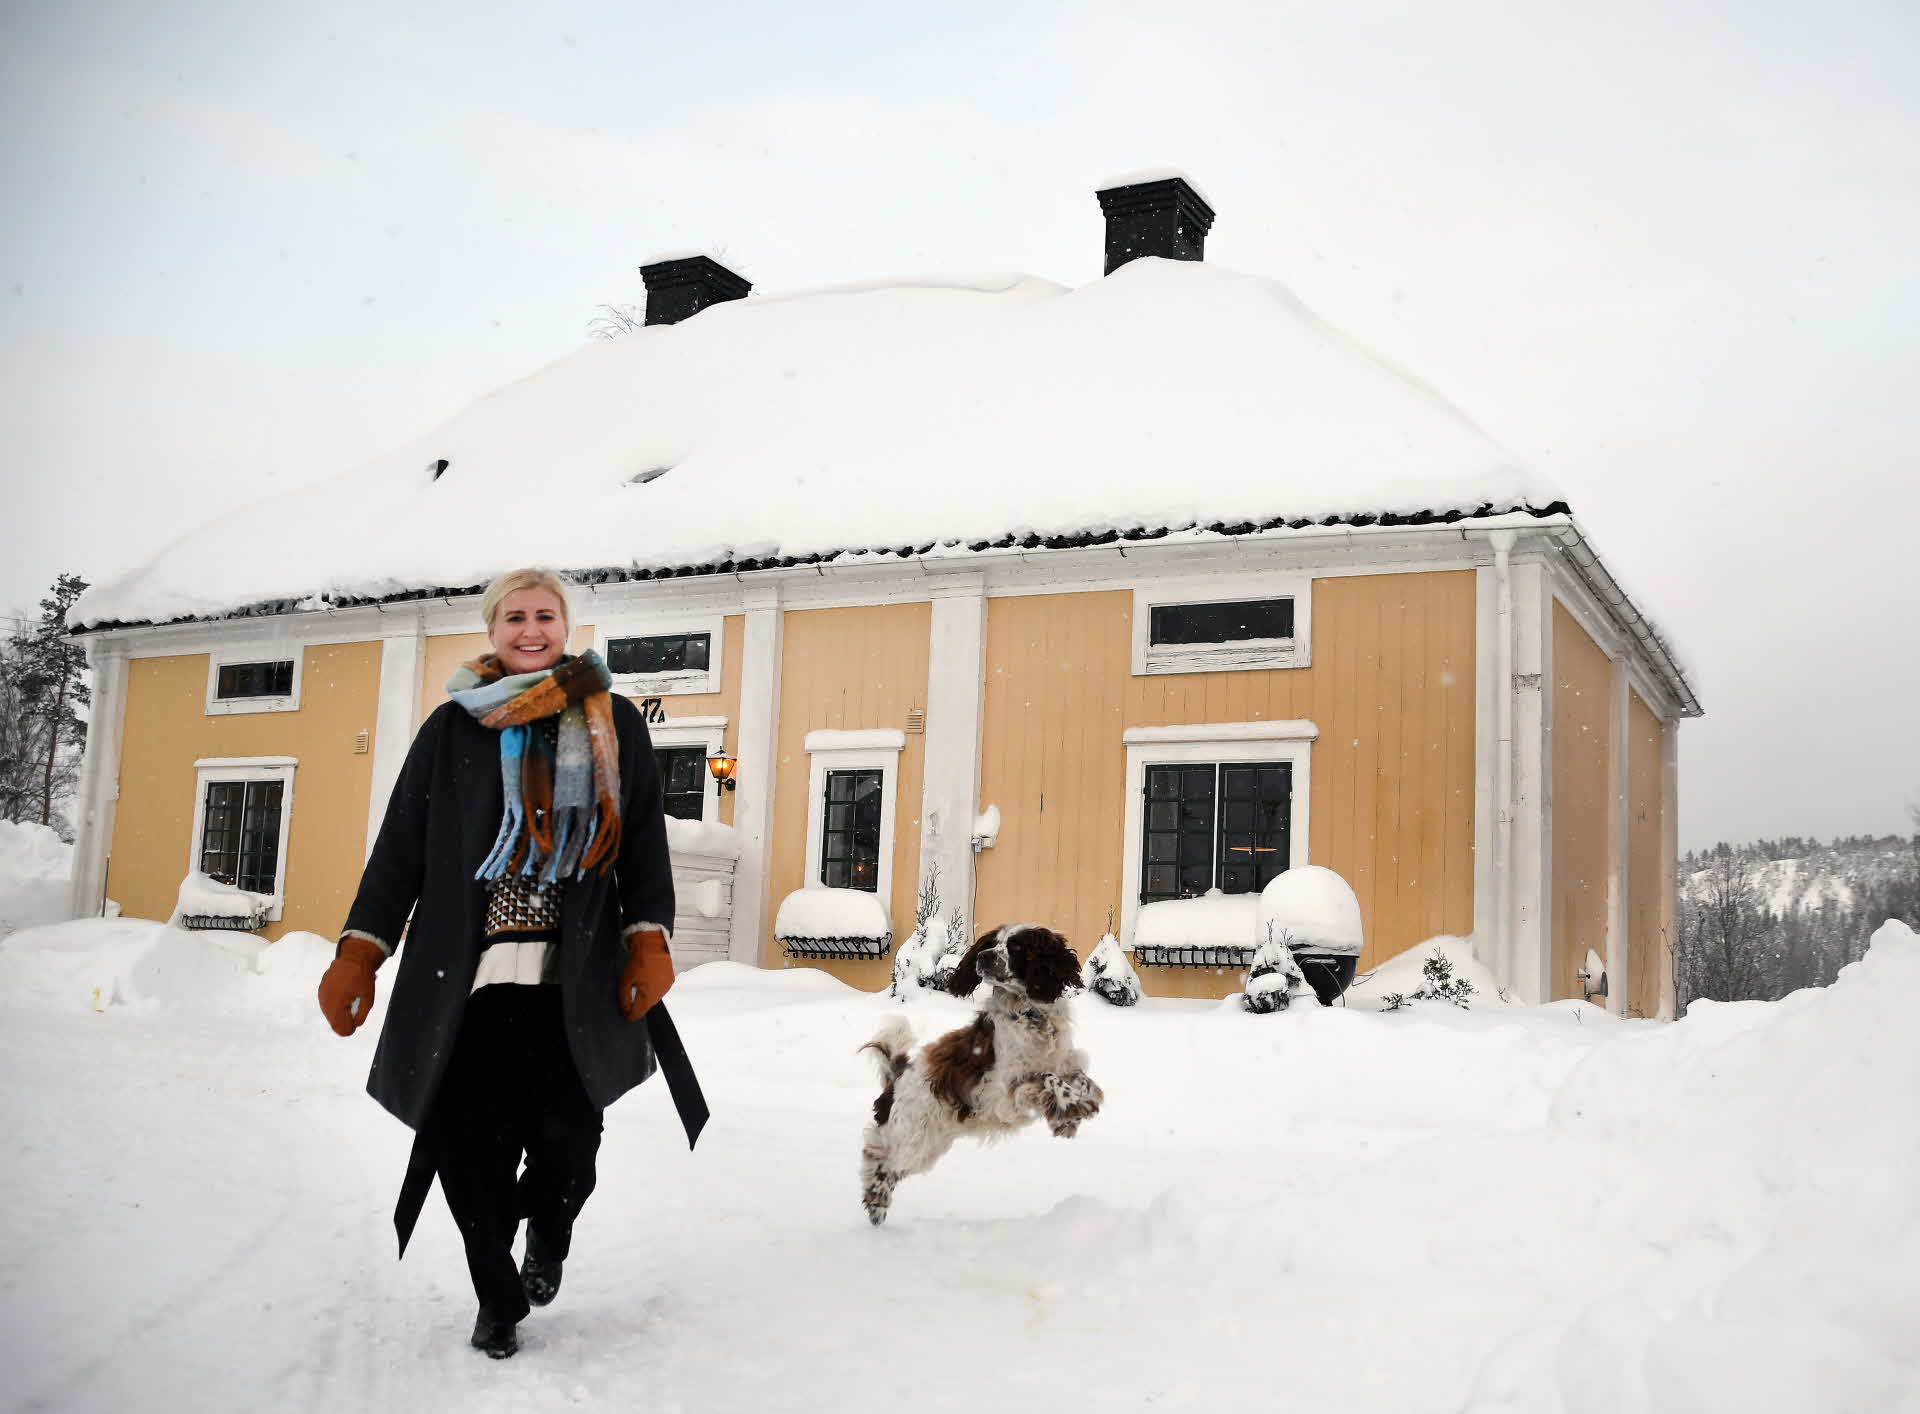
pixel 526 838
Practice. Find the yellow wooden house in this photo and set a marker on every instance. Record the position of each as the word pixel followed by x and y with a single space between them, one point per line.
pixel 1161 574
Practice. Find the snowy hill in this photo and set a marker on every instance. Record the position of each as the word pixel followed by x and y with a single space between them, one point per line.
pixel 1759 920
pixel 1539 1210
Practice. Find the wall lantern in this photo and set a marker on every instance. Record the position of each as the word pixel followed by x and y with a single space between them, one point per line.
pixel 723 766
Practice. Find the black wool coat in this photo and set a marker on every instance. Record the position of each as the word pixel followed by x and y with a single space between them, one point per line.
pixel 441 823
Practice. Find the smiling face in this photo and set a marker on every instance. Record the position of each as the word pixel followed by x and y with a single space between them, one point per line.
pixel 529 630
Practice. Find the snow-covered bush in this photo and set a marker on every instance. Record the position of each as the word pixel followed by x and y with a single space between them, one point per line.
pixel 931 953
pixel 1275 978
pixel 1437 984
pixel 1108 974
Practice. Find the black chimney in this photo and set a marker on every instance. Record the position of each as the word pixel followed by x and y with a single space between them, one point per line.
pixel 680 288
pixel 1164 216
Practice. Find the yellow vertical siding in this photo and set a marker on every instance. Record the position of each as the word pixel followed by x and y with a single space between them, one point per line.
pixel 1650 957
pixel 1583 793
pixel 168 729
pixel 853 669
pixel 1391 689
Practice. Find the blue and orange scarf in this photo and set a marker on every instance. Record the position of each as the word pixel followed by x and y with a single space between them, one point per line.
pixel 562 817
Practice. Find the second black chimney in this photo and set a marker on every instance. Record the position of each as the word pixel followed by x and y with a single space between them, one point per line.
pixel 681 287
pixel 1161 216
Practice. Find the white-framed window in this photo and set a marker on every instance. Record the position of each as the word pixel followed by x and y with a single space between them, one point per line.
pixel 242 807
pixel 682 745
pixel 851 785
pixel 1213 805
pixel 1203 626
pixel 254 680
pixel 660 656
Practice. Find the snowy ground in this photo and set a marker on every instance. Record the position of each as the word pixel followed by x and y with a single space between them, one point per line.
pixel 1512 1208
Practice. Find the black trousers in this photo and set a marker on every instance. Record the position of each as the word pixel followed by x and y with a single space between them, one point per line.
pixel 511 1092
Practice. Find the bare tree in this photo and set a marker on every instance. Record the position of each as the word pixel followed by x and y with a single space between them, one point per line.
pixel 1724 932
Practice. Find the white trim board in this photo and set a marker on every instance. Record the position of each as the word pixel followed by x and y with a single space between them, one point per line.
pixel 663 619
pixel 264 648
pixel 831 755
pixel 1257 656
pixel 707 733
pixel 246 768
pixel 1290 741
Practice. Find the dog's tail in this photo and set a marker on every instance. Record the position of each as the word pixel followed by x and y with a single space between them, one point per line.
pixel 892 1048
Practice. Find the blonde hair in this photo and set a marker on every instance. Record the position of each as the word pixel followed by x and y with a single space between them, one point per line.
pixel 531 578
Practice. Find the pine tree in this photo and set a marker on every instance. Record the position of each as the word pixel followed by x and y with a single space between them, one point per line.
pixel 43 686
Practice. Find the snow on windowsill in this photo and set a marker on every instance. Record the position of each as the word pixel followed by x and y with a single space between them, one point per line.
pixel 831 913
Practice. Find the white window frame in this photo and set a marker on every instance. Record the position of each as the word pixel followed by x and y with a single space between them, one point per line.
pixel 707 733
pixel 218 706
pixel 878 749
pixel 1212 743
pixel 246 768
pixel 672 684
pixel 1244 656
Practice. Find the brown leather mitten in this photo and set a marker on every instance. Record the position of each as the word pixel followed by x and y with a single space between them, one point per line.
pixel 647 975
pixel 346 988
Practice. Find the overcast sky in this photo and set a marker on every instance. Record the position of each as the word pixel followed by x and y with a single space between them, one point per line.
pixel 1664 253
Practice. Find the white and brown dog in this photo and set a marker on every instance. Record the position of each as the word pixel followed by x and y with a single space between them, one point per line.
pixel 1013 1064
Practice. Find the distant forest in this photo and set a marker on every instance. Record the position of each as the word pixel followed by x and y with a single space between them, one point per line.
pixel 1760 920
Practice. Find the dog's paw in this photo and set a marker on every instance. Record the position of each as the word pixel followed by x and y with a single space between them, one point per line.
pixel 876 1196
pixel 1071 1099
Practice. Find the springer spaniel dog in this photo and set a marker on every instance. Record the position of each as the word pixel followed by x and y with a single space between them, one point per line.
pixel 1013 1064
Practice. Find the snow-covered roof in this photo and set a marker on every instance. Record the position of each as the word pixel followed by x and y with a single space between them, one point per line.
pixel 940 411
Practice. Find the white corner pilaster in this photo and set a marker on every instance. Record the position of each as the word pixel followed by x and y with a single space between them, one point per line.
pixel 393 719
pixel 1489 804
pixel 99 776
pixel 759 764
pixel 1669 866
pixel 1622 956
pixel 1531 863
pixel 950 779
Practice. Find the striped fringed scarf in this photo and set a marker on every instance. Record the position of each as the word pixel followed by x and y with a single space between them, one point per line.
pixel 563 806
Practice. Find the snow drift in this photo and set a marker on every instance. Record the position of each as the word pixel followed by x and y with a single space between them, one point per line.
pixel 1512 1208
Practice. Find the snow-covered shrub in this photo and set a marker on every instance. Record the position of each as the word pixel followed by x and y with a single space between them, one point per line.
pixel 1275 977
pixel 952 945
pixel 1108 974
pixel 929 956
pixel 1437 984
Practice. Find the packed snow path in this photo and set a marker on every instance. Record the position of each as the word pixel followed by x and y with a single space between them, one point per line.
pixel 1509 1208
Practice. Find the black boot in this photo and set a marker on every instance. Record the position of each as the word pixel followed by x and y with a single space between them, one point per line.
pixel 494 1337
pixel 539 1271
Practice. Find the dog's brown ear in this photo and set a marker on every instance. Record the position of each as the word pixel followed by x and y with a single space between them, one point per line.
pixel 1053 969
pixel 966 976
